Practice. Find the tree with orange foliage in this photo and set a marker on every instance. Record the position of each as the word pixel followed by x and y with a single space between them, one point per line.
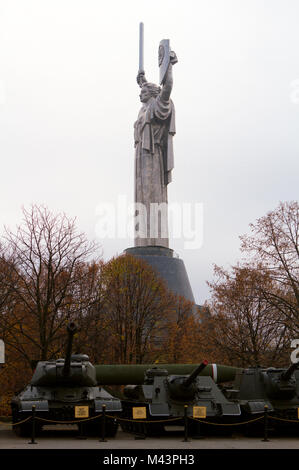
pixel 138 307
pixel 244 326
pixel 182 345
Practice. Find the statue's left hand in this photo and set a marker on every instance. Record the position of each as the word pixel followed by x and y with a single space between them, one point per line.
pixel 173 57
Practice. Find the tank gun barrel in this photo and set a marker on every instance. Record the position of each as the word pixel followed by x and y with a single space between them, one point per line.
pixel 124 374
pixel 194 374
pixel 71 329
pixel 286 375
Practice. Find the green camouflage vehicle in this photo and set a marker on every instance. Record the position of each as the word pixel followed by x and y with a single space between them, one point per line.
pixel 64 390
pixel 164 397
pixel 277 388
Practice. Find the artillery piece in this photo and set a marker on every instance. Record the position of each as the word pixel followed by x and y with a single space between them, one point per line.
pixel 125 374
pixel 184 388
pixel 277 388
pixel 164 397
pixel 63 389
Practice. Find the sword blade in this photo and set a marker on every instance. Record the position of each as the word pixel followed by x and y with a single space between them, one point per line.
pixel 141 44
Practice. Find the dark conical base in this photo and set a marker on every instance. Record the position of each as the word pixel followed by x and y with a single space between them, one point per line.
pixel 171 269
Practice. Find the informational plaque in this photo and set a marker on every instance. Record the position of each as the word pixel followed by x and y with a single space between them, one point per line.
pixel 2 352
pixel 81 411
pixel 139 412
pixel 199 411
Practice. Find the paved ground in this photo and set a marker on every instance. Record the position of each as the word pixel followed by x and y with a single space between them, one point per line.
pixel 67 438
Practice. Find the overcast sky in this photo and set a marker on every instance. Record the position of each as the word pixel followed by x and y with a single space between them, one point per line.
pixel 69 99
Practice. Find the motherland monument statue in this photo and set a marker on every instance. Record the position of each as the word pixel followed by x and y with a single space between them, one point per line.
pixel 153 133
pixel 153 136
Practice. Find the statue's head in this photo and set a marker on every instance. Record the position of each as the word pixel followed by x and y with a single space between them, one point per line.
pixel 148 91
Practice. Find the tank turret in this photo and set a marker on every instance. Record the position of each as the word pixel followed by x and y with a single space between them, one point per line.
pixel 277 388
pixel 192 377
pixel 62 389
pixel 182 387
pixel 280 384
pixel 73 370
pixel 286 375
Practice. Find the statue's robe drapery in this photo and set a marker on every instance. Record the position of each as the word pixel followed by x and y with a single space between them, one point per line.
pixel 153 133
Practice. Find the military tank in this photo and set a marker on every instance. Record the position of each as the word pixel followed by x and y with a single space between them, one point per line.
pixel 277 388
pixel 63 390
pixel 163 397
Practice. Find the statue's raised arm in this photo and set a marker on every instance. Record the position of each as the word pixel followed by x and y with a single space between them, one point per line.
pixel 168 80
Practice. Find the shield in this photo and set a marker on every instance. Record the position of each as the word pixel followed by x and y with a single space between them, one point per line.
pixel 164 58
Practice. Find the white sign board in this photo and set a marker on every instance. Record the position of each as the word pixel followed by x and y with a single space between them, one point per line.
pixel 2 352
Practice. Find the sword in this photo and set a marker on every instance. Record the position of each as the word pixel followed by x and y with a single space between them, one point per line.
pixel 141 44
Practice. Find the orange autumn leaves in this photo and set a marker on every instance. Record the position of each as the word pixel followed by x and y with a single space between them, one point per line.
pixel 50 274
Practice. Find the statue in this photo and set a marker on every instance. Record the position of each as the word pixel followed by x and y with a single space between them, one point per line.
pixel 153 132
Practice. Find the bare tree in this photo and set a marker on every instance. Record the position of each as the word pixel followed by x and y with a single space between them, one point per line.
pixel 245 326
pixel 274 250
pixel 44 262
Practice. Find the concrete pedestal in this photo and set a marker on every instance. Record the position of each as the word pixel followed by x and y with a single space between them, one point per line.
pixel 170 268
